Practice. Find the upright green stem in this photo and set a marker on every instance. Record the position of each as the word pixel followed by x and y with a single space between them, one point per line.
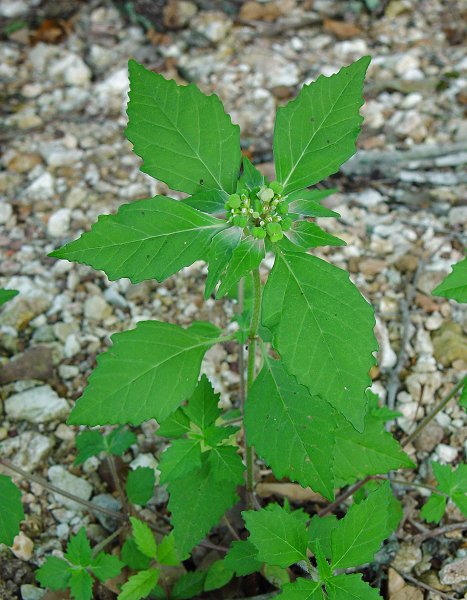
pixel 255 320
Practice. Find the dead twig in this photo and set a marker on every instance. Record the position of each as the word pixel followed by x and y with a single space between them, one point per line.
pixel 418 539
pixel 423 586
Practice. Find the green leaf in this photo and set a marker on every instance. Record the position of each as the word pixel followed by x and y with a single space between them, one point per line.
pixel 324 568
pixel 323 330
pixel 89 443
pixel 452 483
pixel 81 585
pixel 217 576
pixel 279 537
pixel 209 498
pixel 106 566
pixel 320 533
pixel 166 551
pixel 132 557
pixel 203 406
pixel 290 429
pixel 309 235
pixel 140 485
pixel 184 137
pixel 220 252
pixel 163 370
pixel 79 550
pixel 176 425
pixel 6 295
pixel 307 203
pixel 140 585
pixel 250 177
pixel 188 585
pixel 54 574
pixel 208 201
pixel 242 558
pixel 246 257
pixel 144 538
pixel 359 535
pixel 316 132
pixel 350 587
pixel 454 286
pixel 148 239
pixel 371 452
pixel 180 459
pixel 119 440
pixel 302 589
pixel 434 509
pixel 11 510
pixel 226 464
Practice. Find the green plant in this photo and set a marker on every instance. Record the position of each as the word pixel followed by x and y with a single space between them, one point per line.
pixel 75 571
pixel 307 410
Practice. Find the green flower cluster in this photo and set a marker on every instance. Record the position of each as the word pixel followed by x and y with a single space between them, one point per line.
pixel 260 212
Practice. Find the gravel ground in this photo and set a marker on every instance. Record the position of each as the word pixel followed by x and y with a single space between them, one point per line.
pixel 65 161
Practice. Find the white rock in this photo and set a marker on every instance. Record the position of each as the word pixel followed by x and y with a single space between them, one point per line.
pixel 59 223
pixel 434 322
pixel 454 573
pixel 146 460
pixel 22 546
pixel 5 212
pixel 114 85
pixel 36 405
pixel 31 592
pixel 42 188
pixel 60 477
pixel 95 307
pixel 458 216
pixel 369 198
pixel 28 449
pixel 405 63
pixel 11 9
pixel 411 101
pixel 72 69
pixel 386 355
pixel 72 346
pixel 213 25
pixel 446 453
pixel 68 371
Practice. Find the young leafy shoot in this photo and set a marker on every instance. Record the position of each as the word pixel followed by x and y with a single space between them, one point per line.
pixel 6 295
pixel 163 371
pixel 184 137
pixel 75 571
pixel 454 286
pixel 349 542
pixel 316 132
pixel 11 510
pixel 202 465
pixel 92 443
pixel 311 304
pixel 452 483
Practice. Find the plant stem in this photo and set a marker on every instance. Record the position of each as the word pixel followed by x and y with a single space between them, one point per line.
pixel 410 484
pixel 255 320
pixel 56 490
pixel 118 483
pixel 348 492
pixel 434 412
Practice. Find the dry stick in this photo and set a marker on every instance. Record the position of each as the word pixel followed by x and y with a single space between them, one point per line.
pixel 52 488
pixel 423 586
pixel 440 531
pixel 101 545
pixel 231 529
pixel 338 501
